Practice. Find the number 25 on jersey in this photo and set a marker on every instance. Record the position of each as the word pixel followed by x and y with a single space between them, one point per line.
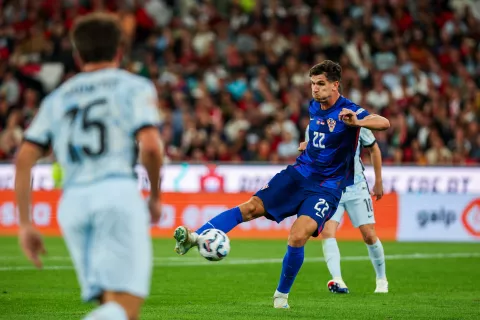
pixel 92 126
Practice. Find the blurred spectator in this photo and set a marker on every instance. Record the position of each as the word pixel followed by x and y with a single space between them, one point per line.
pixel 10 88
pixel 232 76
pixel 11 136
pixel 288 147
pixel 438 154
pixel 378 97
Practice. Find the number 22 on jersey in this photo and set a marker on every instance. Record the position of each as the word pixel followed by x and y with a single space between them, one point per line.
pixel 318 138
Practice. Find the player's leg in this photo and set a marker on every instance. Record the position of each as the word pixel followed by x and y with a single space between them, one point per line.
pixel 312 214
pixel 75 226
pixel 275 198
pixel 117 305
pixel 360 211
pixel 302 229
pixel 120 259
pixel 377 256
pixel 331 252
pixel 225 221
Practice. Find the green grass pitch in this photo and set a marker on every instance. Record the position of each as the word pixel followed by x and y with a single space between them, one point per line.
pixel 427 281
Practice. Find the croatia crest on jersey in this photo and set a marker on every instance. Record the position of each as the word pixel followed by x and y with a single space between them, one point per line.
pixel 331 124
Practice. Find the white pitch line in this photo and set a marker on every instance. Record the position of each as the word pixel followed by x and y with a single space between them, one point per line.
pixel 67 258
pixel 190 261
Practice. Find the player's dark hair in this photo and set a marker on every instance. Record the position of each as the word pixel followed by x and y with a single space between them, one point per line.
pixel 332 70
pixel 96 37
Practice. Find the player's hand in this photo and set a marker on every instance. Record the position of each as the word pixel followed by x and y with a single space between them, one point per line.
pixel 348 117
pixel 155 208
pixel 31 242
pixel 377 190
pixel 302 146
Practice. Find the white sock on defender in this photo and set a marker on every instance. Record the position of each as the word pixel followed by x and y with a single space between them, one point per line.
pixel 377 256
pixel 332 257
pixel 108 311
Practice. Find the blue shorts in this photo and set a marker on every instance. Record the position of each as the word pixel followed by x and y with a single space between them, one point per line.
pixel 289 193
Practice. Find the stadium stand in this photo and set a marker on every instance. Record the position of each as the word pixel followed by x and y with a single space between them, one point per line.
pixel 232 76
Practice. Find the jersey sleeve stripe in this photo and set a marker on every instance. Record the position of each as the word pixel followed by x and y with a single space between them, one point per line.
pixel 44 146
pixel 145 126
pixel 371 144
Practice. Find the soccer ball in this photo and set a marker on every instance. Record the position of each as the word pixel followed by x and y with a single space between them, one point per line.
pixel 213 244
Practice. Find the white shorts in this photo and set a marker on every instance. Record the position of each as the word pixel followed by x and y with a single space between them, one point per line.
pixel 106 227
pixel 358 204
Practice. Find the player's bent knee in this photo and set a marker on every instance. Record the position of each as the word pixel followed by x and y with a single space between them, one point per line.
pixel 370 238
pixel 130 303
pixel 368 233
pixel 302 229
pixel 252 209
pixel 297 239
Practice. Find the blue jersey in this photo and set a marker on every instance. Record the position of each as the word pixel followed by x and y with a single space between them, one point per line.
pixel 329 157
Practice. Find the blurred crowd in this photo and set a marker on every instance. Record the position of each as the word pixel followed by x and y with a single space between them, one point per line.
pixel 232 75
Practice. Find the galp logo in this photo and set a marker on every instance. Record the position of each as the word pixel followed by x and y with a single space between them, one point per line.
pixel 440 216
pixel 471 218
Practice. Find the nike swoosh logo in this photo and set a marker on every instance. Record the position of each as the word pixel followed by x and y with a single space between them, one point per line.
pixel 370 216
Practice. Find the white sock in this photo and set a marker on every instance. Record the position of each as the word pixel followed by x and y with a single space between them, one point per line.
pixel 108 311
pixel 377 256
pixel 279 294
pixel 332 257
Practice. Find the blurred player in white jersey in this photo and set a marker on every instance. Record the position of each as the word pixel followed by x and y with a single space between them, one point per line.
pixel 357 201
pixel 94 123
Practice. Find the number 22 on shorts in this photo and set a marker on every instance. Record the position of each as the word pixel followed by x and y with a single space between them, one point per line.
pixel 321 207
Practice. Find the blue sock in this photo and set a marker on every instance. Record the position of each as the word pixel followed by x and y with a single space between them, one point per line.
pixel 292 262
pixel 225 221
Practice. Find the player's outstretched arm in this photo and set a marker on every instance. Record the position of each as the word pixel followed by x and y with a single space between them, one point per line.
pixel 30 239
pixel 376 158
pixel 151 155
pixel 372 121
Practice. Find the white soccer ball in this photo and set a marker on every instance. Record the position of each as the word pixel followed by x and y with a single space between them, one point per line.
pixel 213 244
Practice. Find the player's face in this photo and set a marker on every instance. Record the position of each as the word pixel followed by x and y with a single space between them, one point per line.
pixel 322 89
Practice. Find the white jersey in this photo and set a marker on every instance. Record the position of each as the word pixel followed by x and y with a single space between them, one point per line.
pixel 365 139
pixel 91 121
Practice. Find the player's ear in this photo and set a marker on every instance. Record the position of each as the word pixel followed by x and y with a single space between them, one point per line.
pixel 336 86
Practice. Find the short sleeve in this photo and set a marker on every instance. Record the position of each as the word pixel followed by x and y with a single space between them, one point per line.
pixel 39 132
pixel 145 107
pixel 367 139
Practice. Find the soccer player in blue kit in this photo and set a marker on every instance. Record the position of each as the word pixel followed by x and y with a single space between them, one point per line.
pixel 312 187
